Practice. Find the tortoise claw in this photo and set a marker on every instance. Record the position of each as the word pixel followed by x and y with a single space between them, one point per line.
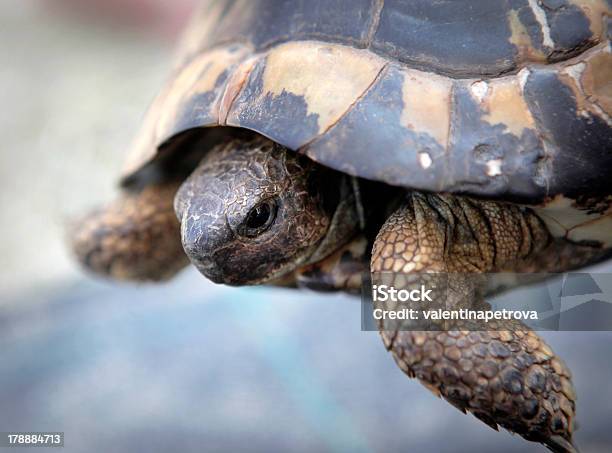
pixel 559 444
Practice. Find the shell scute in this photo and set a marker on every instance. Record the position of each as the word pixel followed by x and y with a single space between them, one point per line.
pixel 264 23
pixel 190 99
pixel 579 141
pixel 299 90
pixel 379 125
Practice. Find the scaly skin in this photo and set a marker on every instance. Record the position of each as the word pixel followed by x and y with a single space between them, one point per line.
pixel 137 237
pixel 506 377
pixel 310 236
pixel 218 206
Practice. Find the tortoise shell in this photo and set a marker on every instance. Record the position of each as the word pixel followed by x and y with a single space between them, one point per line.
pixel 509 100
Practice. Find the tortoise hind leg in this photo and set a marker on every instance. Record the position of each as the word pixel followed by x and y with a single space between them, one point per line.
pixel 507 377
pixel 137 237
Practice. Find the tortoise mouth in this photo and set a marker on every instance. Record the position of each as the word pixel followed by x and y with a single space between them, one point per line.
pixel 215 271
pixel 209 270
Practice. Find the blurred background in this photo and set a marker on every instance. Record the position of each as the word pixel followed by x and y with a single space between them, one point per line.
pixel 184 366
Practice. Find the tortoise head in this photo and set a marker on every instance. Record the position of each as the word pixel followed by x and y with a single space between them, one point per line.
pixel 253 211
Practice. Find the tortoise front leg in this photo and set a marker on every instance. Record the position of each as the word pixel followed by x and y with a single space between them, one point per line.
pixel 507 377
pixel 137 237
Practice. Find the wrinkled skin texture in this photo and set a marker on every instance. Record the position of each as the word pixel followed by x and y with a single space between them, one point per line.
pixel 252 212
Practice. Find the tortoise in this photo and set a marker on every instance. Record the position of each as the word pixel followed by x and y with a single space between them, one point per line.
pixel 304 143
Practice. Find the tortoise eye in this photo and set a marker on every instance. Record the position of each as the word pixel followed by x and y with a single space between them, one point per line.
pixel 259 219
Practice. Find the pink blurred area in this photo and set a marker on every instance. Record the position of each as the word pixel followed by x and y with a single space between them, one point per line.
pixel 162 17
